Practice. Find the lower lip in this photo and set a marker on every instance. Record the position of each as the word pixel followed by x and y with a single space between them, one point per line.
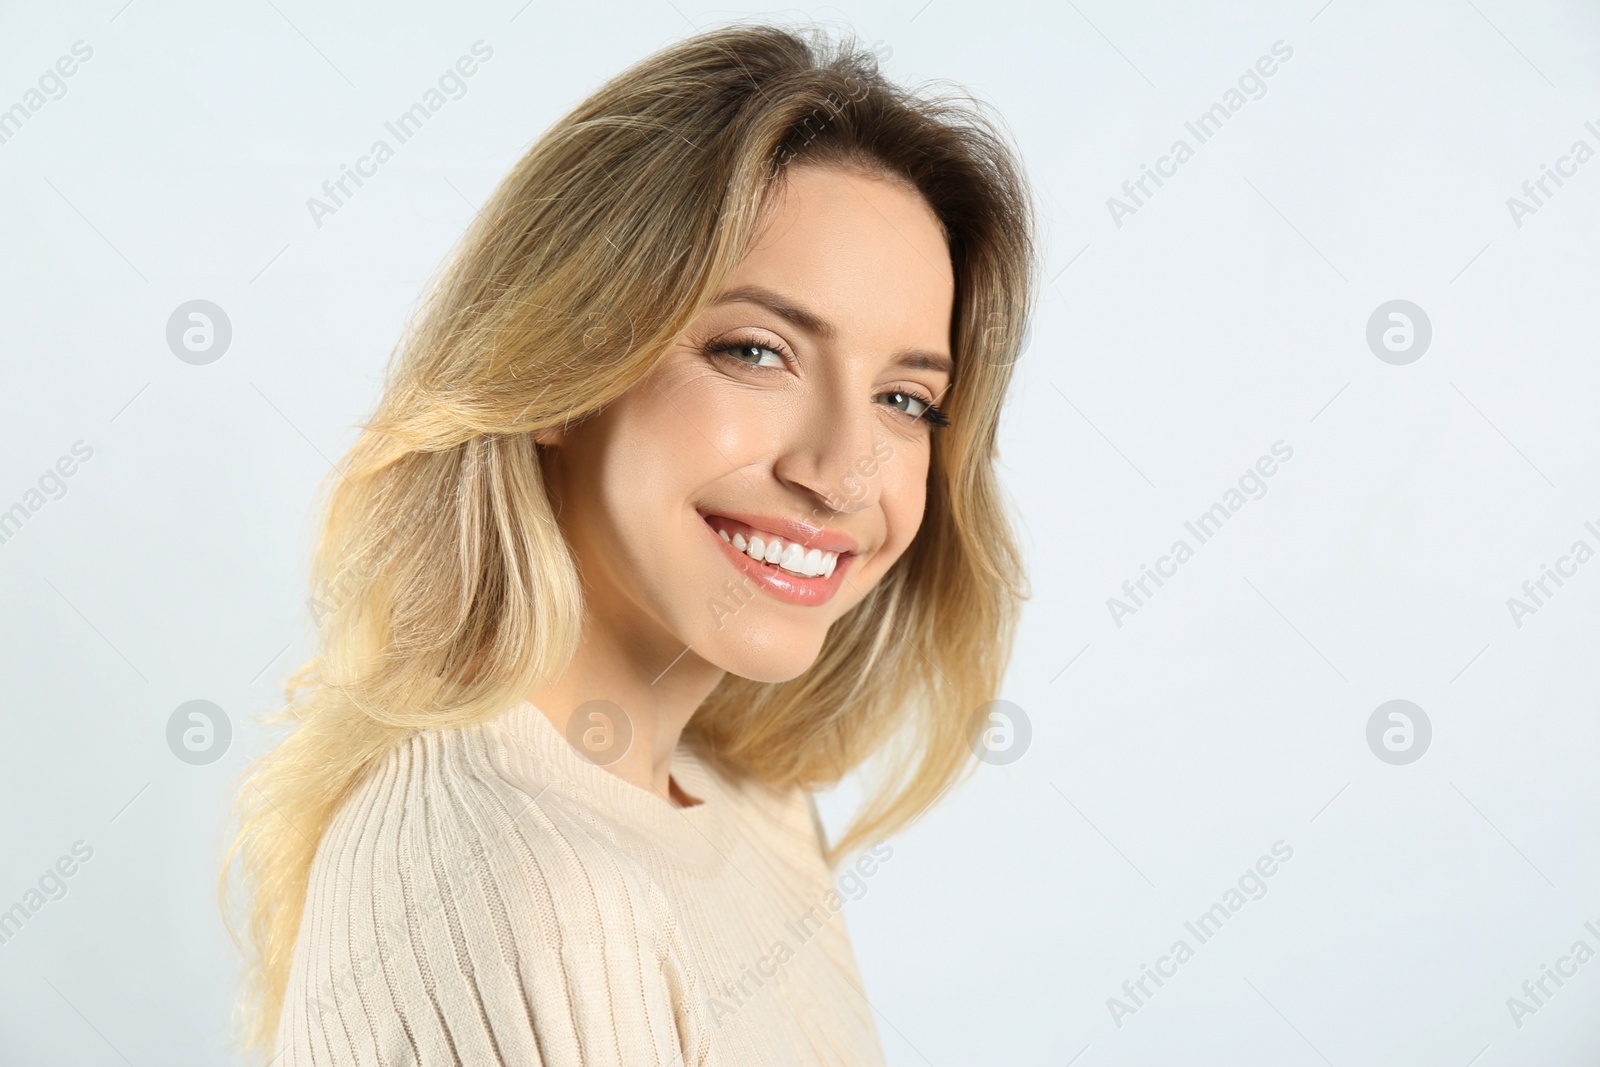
pixel 792 588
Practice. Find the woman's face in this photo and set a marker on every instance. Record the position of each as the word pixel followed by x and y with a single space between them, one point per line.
pixel 795 409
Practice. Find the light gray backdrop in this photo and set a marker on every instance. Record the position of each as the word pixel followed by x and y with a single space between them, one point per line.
pixel 1428 865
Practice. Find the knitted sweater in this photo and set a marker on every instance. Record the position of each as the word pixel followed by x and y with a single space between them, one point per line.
pixel 491 897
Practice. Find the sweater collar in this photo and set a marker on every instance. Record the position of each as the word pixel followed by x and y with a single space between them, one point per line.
pixel 566 771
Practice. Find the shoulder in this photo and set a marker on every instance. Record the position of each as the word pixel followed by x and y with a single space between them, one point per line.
pixel 782 818
pixel 444 822
pixel 451 916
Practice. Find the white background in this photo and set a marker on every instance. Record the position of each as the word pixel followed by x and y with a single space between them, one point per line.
pixel 1168 354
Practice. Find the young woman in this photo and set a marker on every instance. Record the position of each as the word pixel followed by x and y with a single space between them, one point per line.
pixel 678 504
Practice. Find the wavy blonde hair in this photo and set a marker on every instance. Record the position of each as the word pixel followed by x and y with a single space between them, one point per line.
pixel 446 591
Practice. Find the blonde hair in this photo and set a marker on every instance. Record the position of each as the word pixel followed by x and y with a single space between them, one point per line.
pixel 446 590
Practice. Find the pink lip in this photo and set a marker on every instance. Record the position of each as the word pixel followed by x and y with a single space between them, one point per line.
pixel 809 592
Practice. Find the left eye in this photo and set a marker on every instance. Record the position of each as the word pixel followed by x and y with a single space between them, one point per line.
pixel 911 405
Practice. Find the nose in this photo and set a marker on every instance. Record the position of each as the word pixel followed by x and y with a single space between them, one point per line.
pixel 830 456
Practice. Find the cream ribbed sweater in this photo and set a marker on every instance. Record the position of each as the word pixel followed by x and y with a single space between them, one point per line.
pixel 491 897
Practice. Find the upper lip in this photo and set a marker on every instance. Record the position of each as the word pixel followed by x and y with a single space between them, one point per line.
pixel 805 533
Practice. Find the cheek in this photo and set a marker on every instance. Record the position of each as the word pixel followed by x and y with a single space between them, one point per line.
pixel 905 494
pixel 706 425
pixel 669 438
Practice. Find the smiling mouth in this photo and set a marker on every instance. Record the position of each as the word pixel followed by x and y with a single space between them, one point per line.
pixel 764 546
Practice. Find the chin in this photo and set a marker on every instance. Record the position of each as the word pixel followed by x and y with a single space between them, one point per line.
pixel 761 655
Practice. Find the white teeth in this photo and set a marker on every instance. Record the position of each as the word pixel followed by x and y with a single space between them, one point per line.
pixel 790 556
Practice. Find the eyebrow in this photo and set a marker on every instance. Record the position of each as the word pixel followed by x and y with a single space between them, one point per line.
pixel 815 324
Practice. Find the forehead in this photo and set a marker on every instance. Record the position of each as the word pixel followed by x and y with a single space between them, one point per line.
pixel 867 252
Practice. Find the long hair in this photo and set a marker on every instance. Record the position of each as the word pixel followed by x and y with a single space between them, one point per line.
pixel 444 590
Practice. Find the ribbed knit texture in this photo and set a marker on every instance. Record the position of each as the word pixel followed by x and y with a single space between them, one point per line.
pixel 491 897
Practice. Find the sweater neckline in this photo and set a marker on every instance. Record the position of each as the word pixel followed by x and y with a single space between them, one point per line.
pixel 632 803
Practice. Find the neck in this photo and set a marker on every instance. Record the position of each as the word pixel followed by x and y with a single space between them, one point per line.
pixel 653 686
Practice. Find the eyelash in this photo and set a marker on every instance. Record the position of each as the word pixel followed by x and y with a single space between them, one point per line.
pixel 932 414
